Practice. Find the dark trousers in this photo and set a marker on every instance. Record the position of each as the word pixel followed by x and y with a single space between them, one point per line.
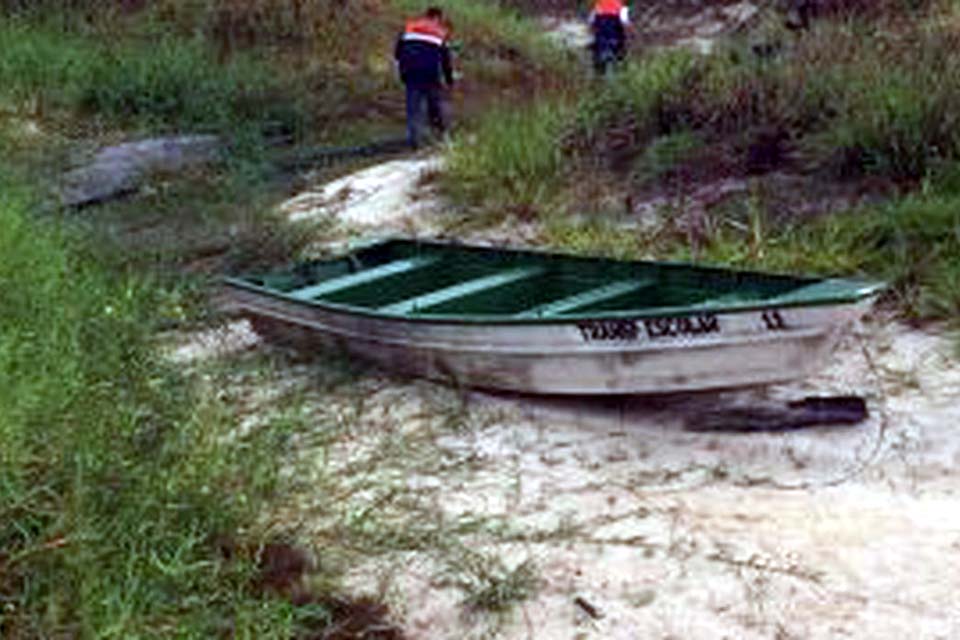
pixel 417 95
pixel 607 52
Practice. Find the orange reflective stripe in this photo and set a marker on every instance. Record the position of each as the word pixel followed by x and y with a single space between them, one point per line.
pixel 426 27
pixel 608 7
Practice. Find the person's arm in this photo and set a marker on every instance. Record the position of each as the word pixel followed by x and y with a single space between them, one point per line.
pixel 446 64
pixel 397 56
pixel 628 29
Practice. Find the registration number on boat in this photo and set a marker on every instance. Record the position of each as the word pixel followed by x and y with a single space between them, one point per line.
pixel 650 328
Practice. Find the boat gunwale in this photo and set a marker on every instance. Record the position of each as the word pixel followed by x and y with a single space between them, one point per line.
pixel 856 296
pixel 859 290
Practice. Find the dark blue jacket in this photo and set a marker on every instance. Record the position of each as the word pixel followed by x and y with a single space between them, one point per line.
pixel 607 28
pixel 422 54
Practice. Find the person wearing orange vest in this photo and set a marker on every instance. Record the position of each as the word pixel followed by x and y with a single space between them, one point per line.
pixel 423 61
pixel 609 21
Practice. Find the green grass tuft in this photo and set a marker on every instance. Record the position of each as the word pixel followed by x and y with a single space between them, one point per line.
pixel 912 243
pixel 115 478
pixel 513 161
pixel 163 84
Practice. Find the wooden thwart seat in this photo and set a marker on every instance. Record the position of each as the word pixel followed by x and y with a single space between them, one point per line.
pixel 461 290
pixel 584 298
pixel 361 277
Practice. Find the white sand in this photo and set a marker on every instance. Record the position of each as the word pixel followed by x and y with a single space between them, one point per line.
pixel 387 194
pixel 686 535
pixel 849 531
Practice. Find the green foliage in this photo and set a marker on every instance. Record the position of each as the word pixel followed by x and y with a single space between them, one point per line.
pixel 488 584
pixel 115 478
pixel 513 159
pixel 915 243
pixel 665 153
pixel 593 237
pixel 896 121
pixel 637 95
pixel 912 243
pixel 170 82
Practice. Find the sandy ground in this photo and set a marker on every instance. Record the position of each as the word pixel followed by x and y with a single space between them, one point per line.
pixel 631 525
pixel 657 531
pixel 824 533
pixel 388 194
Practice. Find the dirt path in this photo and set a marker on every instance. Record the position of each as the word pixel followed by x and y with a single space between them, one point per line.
pixel 390 195
pixel 395 196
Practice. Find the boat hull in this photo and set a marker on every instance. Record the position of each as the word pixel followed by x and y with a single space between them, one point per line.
pixel 624 355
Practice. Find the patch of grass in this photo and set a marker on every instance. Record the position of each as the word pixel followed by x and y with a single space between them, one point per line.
pixel 515 159
pixel 853 96
pixel 114 477
pixel 664 153
pixel 512 163
pixel 598 236
pixel 912 243
pixel 488 584
pixel 630 108
pixel 170 83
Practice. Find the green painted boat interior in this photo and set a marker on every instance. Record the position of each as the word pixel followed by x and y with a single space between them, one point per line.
pixel 411 278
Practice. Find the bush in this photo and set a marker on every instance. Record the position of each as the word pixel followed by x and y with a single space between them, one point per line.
pixel 895 113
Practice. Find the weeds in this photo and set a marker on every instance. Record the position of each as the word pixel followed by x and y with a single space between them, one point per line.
pixel 664 154
pixel 113 479
pixel 513 163
pixel 488 584
pixel 168 84
pixel 593 237
pixel 912 243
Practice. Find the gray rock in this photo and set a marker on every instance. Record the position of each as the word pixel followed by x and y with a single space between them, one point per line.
pixel 118 170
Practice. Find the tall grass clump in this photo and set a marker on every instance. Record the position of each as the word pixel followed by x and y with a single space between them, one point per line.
pixel 116 480
pixel 895 110
pixel 635 99
pixel 167 83
pixel 513 159
pixel 912 243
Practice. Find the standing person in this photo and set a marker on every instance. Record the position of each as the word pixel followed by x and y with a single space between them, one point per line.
pixel 799 13
pixel 609 21
pixel 423 60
